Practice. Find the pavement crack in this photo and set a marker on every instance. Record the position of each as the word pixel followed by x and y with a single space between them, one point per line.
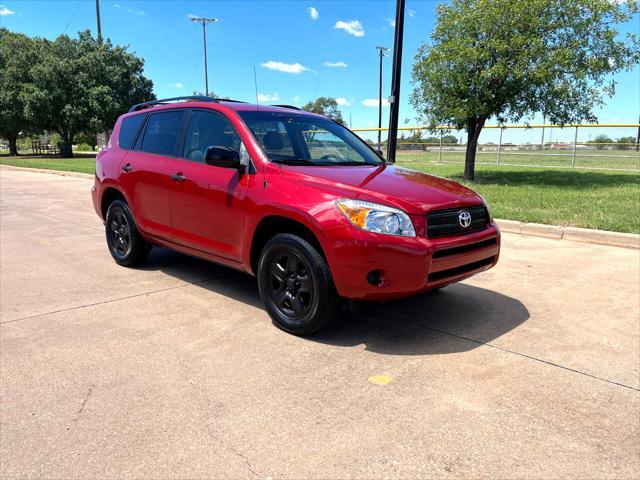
pixel 207 413
pixel 84 403
pixel 119 299
pixel 524 355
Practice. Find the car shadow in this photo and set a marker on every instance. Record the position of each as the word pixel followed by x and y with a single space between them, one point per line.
pixel 458 318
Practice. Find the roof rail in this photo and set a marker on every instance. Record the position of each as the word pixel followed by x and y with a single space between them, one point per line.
pixel 196 98
pixel 230 100
pixel 288 106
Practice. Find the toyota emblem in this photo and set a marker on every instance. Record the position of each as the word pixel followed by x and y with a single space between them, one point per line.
pixel 464 219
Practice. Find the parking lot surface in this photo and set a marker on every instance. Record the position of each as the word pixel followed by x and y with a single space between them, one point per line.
pixel 175 370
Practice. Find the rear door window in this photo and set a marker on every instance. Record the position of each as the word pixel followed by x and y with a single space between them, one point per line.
pixel 129 131
pixel 162 132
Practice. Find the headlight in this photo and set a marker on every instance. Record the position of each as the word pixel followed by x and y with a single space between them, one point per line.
pixel 376 218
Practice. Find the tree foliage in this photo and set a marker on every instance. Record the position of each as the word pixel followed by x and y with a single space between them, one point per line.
pixel 326 106
pixel 18 53
pixel 508 59
pixel 73 85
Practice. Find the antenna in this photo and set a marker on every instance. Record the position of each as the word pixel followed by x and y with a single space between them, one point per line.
pixel 255 82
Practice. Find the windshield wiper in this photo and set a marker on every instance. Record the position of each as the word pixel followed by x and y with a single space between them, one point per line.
pixel 294 161
pixel 301 161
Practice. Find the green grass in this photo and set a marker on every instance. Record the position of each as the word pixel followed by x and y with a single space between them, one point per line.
pixel 80 163
pixel 607 200
pixel 592 159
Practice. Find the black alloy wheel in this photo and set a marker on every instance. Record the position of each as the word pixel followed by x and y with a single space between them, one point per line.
pixel 296 286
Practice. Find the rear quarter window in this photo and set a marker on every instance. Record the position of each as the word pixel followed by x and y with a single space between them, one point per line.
pixel 129 130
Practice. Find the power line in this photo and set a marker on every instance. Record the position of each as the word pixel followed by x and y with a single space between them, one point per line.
pixel 73 15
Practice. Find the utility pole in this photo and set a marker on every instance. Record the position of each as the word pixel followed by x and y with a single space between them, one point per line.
pixel 382 52
pixel 98 20
pixel 395 82
pixel 204 21
pixel 638 136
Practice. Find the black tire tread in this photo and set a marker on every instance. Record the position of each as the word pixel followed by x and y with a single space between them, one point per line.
pixel 140 247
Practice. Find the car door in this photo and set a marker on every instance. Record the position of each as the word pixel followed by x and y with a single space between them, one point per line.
pixel 147 169
pixel 208 202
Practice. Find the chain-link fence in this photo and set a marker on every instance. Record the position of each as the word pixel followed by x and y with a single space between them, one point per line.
pixel 603 146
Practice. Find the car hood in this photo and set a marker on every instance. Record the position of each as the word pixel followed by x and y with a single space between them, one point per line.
pixel 414 192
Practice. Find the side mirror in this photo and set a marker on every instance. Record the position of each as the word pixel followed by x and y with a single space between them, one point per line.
pixel 380 152
pixel 224 157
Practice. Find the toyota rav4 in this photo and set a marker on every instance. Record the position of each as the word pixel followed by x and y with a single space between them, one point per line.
pixel 294 198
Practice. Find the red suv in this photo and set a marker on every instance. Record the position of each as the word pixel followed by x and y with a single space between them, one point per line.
pixel 291 197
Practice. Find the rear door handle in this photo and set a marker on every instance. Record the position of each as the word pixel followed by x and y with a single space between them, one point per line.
pixel 127 167
pixel 178 177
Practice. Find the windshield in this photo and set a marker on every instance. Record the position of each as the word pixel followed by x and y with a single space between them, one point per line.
pixel 304 140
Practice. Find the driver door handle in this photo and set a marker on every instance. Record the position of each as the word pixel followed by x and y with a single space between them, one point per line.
pixel 178 177
pixel 127 167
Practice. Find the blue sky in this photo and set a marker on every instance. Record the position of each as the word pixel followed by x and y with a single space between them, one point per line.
pixel 301 49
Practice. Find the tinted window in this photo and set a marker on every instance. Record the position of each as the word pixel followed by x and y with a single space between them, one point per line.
pixel 303 139
pixel 161 134
pixel 207 129
pixel 129 130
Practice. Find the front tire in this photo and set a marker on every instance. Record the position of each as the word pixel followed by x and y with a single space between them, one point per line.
pixel 295 285
pixel 126 245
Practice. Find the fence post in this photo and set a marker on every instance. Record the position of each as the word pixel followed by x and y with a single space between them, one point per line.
pixel 440 151
pixel 575 144
pixel 499 146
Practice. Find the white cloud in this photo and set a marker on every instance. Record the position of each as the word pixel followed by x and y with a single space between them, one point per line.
pixel 192 15
pixel 339 64
pixel 177 85
pixel 116 5
pixel 412 13
pixel 343 102
pixel 268 97
pixel 313 13
pixel 391 22
pixel 353 27
pixel 284 67
pixel 370 123
pixel 297 98
pixel 373 102
pixel 137 12
pixel 4 11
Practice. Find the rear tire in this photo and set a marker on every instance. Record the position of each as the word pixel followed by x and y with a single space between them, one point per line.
pixel 126 245
pixel 295 285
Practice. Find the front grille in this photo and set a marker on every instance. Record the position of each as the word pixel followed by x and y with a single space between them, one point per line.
pixel 434 277
pixel 464 248
pixel 445 223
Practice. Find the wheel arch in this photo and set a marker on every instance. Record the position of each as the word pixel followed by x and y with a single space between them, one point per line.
pixel 109 195
pixel 272 225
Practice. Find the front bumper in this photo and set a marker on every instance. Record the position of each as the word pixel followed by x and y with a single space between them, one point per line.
pixel 406 266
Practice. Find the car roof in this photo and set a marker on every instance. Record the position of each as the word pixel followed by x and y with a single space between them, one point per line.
pixel 235 105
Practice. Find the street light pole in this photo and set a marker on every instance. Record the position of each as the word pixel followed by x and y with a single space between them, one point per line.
pixel 382 53
pixel 204 21
pixel 98 20
pixel 395 82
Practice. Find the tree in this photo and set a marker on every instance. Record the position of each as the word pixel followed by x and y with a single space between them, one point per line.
pixel 507 59
pixel 18 53
pixel 600 140
pixel 83 85
pixel 326 106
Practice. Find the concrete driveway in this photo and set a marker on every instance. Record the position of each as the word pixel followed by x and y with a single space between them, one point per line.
pixel 175 371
